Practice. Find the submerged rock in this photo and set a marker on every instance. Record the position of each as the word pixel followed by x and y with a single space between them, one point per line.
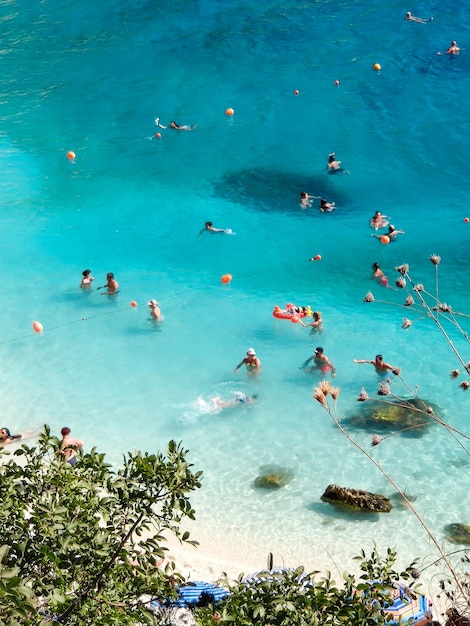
pixel 411 416
pixel 458 533
pixel 273 477
pixel 357 499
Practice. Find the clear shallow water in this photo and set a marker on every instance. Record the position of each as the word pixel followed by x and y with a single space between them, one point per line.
pixel 92 81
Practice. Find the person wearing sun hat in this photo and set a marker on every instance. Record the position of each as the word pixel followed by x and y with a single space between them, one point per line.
pixel 155 312
pixel 251 361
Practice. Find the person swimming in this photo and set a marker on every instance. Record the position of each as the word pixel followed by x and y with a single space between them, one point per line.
pixel 176 126
pixel 378 220
pixel 7 437
pixel 335 166
pixel 238 398
pixel 212 229
pixel 378 275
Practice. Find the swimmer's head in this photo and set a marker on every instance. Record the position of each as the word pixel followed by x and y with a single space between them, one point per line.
pixel 331 157
pixel 5 432
pixel 303 194
pixel 379 357
pixel 391 228
pixel 318 350
pixel 86 273
pixel 375 266
pixel 65 431
pixel 408 14
pixel 454 43
pixel 110 276
pixel 208 224
pixel 316 314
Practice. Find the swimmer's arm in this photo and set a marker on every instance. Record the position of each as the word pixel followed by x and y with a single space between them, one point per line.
pixel 238 366
pixel 363 361
pixel 305 363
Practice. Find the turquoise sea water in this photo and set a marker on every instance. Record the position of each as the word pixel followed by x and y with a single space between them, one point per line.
pixel 91 79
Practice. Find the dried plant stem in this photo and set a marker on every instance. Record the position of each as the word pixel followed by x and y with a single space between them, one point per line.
pixel 408 502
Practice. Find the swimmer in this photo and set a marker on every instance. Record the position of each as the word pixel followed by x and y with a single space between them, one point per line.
pixel 157 123
pixel 321 363
pixel 306 199
pixel 87 279
pixel 239 398
pixel 6 437
pixel 378 220
pixel 212 229
pixel 380 366
pixel 315 325
pixel 112 285
pixel 326 206
pixel 391 233
pixel 184 127
pixel 420 20
pixel 251 362
pixel 69 446
pixel 334 165
pixel 378 275
pixel 155 312
pixel 453 49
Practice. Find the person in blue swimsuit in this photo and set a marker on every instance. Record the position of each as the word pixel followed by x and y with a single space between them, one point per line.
pixel 239 398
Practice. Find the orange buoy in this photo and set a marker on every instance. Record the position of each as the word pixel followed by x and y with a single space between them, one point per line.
pixel 71 155
pixel 296 92
pixel 226 279
pixel 229 111
pixel 38 327
pixel 158 135
pixel 384 239
pixel 133 303
pixel 337 83
pixel 318 257
pixel 466 220
pixel 377 67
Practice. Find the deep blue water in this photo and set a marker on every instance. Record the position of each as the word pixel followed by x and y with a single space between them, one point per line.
pixel 92 79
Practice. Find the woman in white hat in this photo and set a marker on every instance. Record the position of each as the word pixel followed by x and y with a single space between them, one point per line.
pixel 155 312
pixel 251 361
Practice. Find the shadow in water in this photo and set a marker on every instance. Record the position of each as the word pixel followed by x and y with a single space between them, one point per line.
pixel 269 190
pixel 342 513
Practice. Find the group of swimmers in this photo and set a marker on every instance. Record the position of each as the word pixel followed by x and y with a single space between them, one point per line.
pixel 68 447
pixel 112 289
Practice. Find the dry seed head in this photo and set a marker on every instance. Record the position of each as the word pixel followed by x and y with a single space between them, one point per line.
pixel 403 269
pixel 435 259
pixel 400 282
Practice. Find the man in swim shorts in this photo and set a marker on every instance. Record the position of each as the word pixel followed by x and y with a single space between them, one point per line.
pixel 381 367
pixel 321 363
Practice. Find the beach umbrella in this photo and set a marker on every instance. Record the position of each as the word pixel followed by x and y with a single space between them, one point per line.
pixel 409 607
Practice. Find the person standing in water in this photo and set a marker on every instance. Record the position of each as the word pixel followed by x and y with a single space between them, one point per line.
pixel 380 366
pixel 112 285
pixel 321 363
pixel 251 362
